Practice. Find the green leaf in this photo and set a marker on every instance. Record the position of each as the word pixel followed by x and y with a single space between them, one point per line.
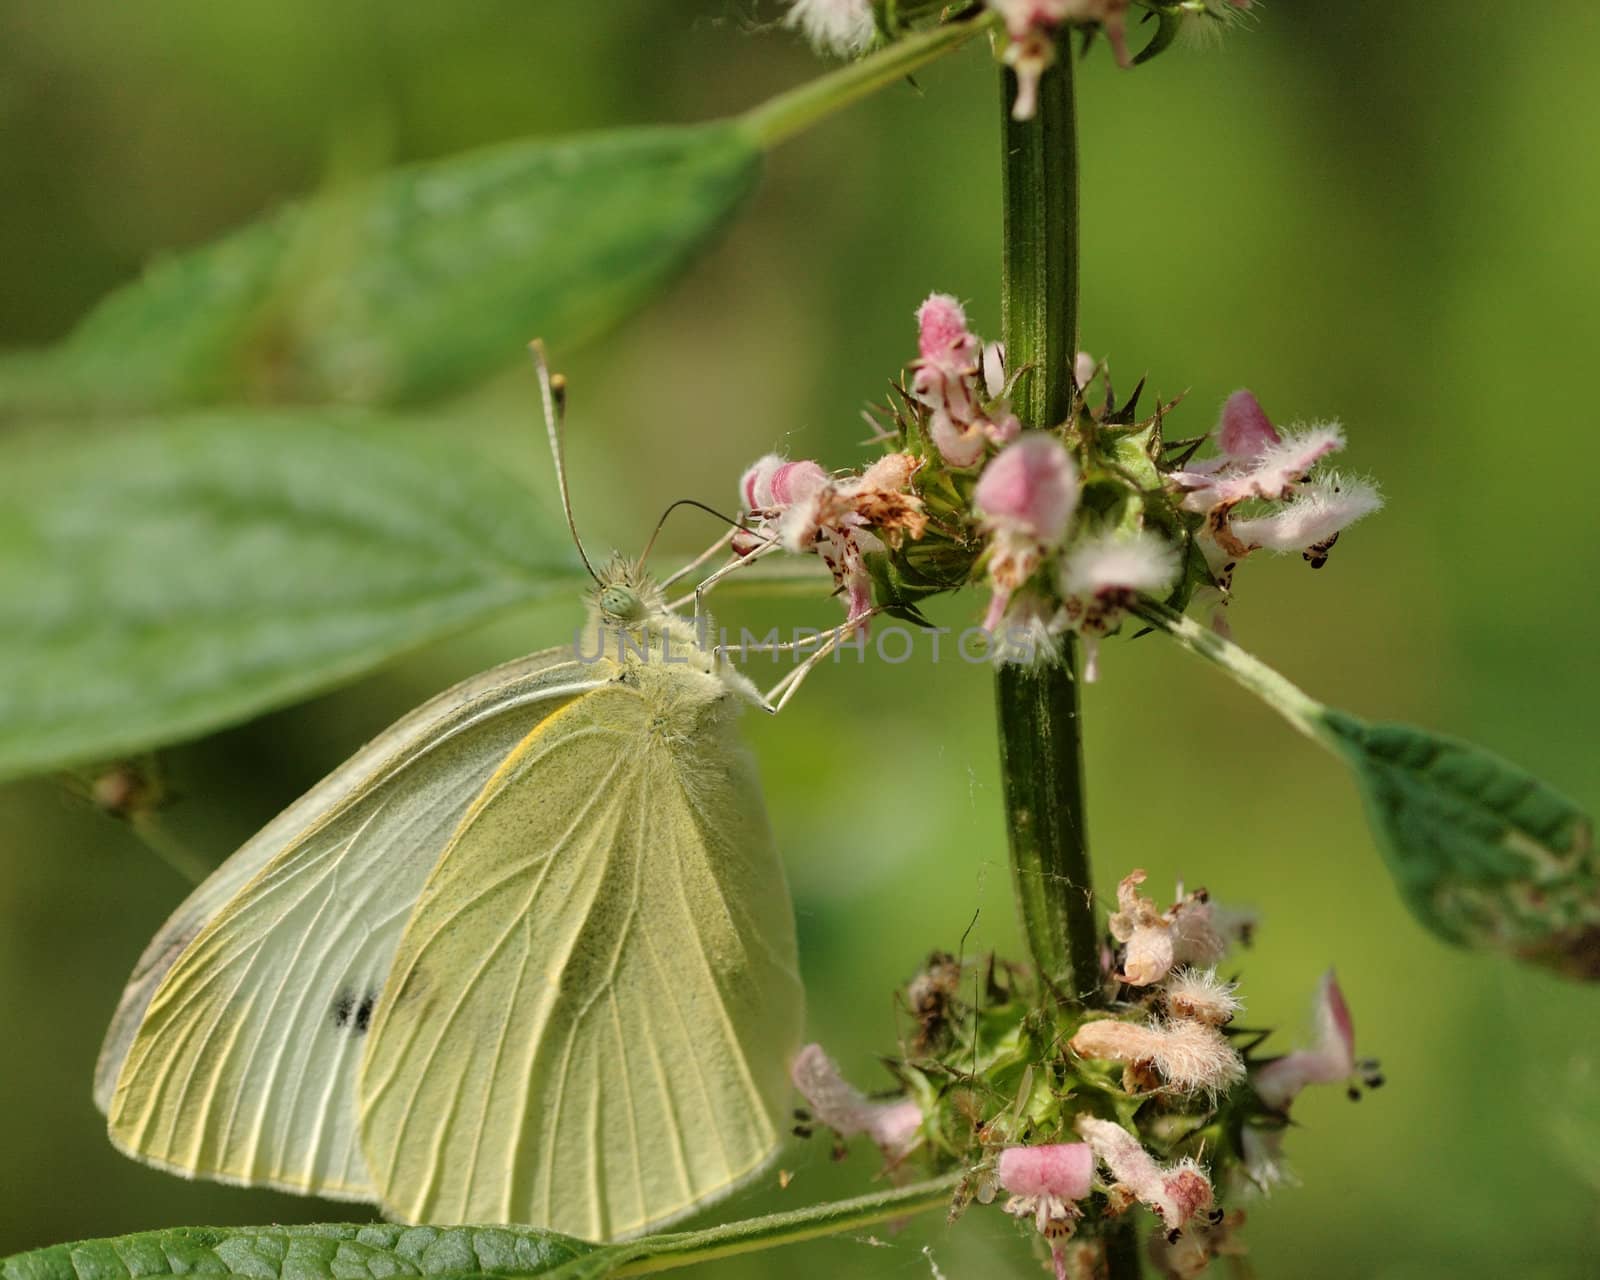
pixel 340 1251
pixel 410 286
pixel 1483 853
pixel 159 582
pixel 322 1252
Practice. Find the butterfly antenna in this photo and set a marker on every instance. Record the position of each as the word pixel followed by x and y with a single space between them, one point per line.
pixel 699 506
pixel 553 388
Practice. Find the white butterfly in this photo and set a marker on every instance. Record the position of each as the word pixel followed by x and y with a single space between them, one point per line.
pixel 529 956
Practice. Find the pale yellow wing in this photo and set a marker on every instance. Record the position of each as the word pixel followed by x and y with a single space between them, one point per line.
pixel 596 997
pixel 235 1049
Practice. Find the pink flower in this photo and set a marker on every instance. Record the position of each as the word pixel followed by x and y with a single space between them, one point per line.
pixel 772 483
pixel 1257 463
pixel 955 376
pixel 1331 1059
pixel 1031 28
pixel 1026 498
pixel 841 520
pixel 1062 1170
pixel 1271 474
pixel 1177 1193
pixel 1045 1183
pixel 945 346
pixel 895 1126
pixel 1031 488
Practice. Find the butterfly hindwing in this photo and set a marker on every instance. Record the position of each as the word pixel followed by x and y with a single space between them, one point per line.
pixel 591 1008
pixel 235 1050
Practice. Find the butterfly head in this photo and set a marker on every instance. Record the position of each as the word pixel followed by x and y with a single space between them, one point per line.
pixel 626 596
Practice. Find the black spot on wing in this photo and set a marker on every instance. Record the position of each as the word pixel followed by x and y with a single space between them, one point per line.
pixel 352 1013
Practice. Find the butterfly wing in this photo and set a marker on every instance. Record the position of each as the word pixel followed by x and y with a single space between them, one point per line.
pixel 235 1049
pixel 594 1002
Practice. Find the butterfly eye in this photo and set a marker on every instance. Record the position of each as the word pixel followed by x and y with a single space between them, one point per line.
pixel 622 604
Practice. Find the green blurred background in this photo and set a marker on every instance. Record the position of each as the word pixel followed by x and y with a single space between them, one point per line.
pixel 1364 210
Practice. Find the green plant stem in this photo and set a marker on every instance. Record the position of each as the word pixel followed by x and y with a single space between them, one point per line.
pixel 1290 701
pixel 1041 753
pixel 1040 719
pixel 680 1249
pixel 1039 246
pixel 781 118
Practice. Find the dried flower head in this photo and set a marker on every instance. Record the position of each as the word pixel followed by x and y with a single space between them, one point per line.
pixel 1190 1056
pixel 1200 995
pixel 1156 941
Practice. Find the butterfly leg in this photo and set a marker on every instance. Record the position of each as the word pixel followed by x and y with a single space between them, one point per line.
pixel 780 693
pixel 698 596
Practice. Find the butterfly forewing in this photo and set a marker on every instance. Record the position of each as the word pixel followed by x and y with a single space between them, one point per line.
pixel 236 1048
pixel 590 1012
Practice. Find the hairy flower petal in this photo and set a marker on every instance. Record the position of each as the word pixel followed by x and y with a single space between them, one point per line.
pixel 1272 474
pixel 1201 995
pixel 1313 518
pixel 1062 1170
pixel 1191 1056
pixel 1177 1194
pixel 1119 562
pixel 893 1125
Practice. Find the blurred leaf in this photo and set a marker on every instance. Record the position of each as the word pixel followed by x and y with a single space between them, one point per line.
pixel 412 285
pixel 320 1252
pixel 1484 854
pixel 161 582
